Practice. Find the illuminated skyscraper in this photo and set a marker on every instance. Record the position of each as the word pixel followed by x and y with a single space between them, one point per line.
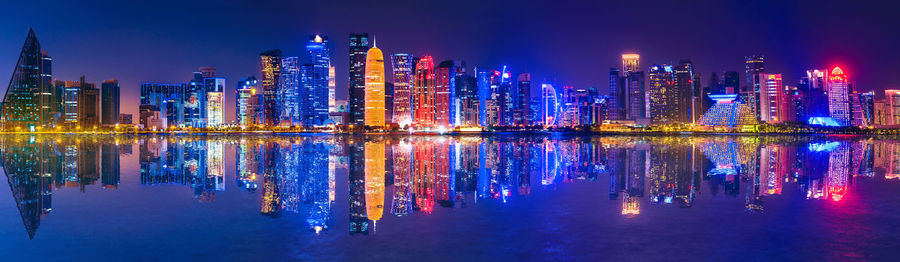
pixel 402 76
pixel 838 92
pixel 270 72
pixel 467 95
pixel 24 105
pixel 314 93
pixel 685 89
pixel 88 106
pixel 754 65
pixel 109 102
pixel 636 98
pixel 663 96
pixel 444 82
pixel 506 98
pixel 289 91
pixel 359 45
pixel 244 112
pixel 332 98
pixel 374 113
pixel 771 92
pixel 616 95
pixel 549 106
pixel 424 94
pixel 631 63
pixel 69 100
pixel 523 99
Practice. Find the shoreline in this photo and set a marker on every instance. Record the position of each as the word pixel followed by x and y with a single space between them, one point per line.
pixel 457 133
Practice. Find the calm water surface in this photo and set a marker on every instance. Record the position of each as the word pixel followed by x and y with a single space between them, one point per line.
pixel 464 198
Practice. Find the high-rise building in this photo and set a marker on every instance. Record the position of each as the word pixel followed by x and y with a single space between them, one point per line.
pixel 867 105
pixel 813 84
pixel 204 99
pixel 731 82
pixel 523 98
pixel 332 95
pixel 270 74
pixel 616 95
pixel 359 46
pixel 754 65
pixel 772 99
pixel 424 94
pixel 686 89
pixel 388 100
pixel 69 100
pixel 88 106
pixel 550 106
pixel 289 91
pixel 444 82
pixel 245 113
pixel 636 98
pixel 838 96
pixel 856 111
pixel 402 78
pixel 162 100
pixel 467 95
pixel 374 98
pixel 506 98
pixel 314 93
pixel 493 104
pixel 663 97
pixel 109 102
pixel 26 103
pixel 631 63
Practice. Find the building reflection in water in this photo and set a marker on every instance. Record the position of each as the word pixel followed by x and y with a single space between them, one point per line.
pixel 296 175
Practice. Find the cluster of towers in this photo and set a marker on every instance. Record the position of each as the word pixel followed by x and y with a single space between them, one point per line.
pixel 35 101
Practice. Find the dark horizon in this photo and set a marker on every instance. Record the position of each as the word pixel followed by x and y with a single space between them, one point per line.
pixel 559 42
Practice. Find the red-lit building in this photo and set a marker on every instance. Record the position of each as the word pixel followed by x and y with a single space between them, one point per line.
pixel 424 95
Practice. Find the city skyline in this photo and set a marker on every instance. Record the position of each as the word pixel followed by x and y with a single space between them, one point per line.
pixel 826 43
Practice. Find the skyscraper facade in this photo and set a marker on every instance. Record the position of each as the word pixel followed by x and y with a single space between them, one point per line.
pixel 685 91
pixel 270 74
pixel 838 91
pixel 523 99
pixel 754 65
pixel 88 106
pixel 424 94
pixel 444 81
pixel 23 104
pixel 289 91
pixel 402 68
pixel 314 93
pixel 245 113
pixel 332 94
pixel 359 46
pixel 771 93
pixel 663 95
pixel 109 102
pixel 374 113
pixel 467 93
pixel 616 95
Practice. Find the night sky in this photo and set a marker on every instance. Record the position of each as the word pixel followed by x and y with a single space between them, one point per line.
pixel 561 42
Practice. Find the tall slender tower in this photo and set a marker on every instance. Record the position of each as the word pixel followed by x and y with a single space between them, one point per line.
pixel 359 45
pixel 374 113
pixel 444 80
pixel 109 102
pixel 754 66
pixel 424 94
pixel 270 72
pixel 314 96
pixel 402 71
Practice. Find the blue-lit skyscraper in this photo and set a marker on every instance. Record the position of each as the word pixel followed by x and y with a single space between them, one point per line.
pixel 289 91
pixel 314 104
